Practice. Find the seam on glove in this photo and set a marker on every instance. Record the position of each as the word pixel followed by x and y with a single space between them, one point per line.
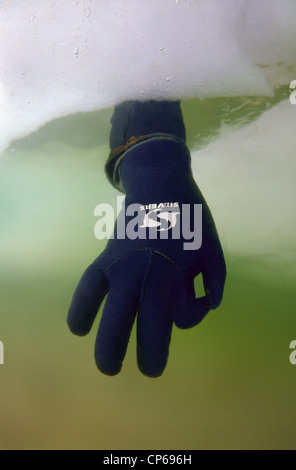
pixel 147 249
pixel 132 250
pixel 152 254
pixel 142 293
pixel 94 270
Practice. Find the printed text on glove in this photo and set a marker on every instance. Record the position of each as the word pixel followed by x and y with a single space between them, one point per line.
pixel 162 220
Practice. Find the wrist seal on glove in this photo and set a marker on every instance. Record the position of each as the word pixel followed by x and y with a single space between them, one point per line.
pixel 116 157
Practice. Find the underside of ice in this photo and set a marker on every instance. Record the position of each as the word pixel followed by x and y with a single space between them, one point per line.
pixel 60 57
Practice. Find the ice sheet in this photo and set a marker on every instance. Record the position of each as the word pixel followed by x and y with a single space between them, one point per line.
pixel 247 177
pixel 59 57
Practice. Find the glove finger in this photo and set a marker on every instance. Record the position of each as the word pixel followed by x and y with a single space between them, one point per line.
pixel 125 277
pixel 193 309
pixel 154 327
pixel 87 298
pixel 155 319
pixel 115 326
pixel 214 276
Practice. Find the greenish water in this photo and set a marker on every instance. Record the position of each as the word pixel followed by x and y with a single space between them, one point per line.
pixel 204 118
pixel 229 383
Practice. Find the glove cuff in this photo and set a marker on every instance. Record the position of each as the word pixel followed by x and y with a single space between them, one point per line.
pixel 112 165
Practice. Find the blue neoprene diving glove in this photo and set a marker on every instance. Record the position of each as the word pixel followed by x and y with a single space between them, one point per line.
pixel 163 238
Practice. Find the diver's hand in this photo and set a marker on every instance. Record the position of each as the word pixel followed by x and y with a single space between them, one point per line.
pixel 164 237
